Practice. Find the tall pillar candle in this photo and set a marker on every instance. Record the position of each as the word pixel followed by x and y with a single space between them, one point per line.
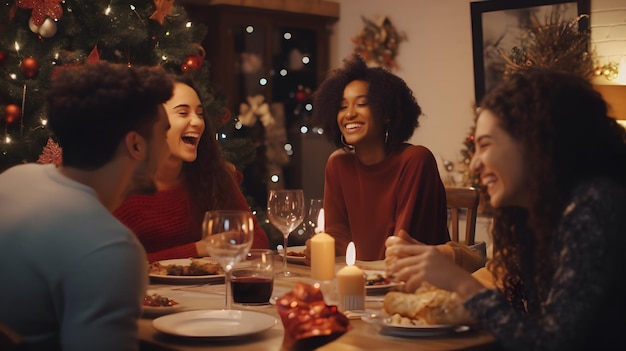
pixel 322 253
pixel 351 283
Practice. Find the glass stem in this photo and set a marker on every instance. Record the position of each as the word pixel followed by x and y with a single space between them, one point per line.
pixel 227 278
pixel 285 272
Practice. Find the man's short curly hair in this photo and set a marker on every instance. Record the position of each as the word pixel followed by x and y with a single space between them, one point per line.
pixel 91 108
pixel 388 96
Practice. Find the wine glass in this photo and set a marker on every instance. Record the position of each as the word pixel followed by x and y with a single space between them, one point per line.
pixel 285 209
pixel 315 205
pixel 228 236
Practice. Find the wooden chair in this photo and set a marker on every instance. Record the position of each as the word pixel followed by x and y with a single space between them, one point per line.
pixel 9 338
pixel 463 198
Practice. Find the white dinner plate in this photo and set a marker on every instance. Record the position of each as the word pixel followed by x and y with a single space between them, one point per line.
pixel 294 259
pixel 214 323
pixel 377 289
pixel 385 327
pixel 184 279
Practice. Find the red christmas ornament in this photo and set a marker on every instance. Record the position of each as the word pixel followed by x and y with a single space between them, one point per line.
pixel 29 67
pixel 12 113
pixel 3 56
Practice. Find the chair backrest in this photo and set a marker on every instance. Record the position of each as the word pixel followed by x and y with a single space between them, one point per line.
pixel 9 338
pixel 465 198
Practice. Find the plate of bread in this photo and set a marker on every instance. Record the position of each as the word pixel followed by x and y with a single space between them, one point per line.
pixel 427 312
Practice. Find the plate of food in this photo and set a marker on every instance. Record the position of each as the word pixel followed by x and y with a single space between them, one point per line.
pixel 376 282
pixel 155 304
pixel 186 271
pixel 397 325
pixel 403 326
pixel 295 254
pixel 426 312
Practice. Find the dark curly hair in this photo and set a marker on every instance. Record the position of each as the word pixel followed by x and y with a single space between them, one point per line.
pixel 207 178
pixel 567 138
pixel 388 97
pixel 90 108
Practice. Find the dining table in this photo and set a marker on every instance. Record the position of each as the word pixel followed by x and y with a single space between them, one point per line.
pixel 362 335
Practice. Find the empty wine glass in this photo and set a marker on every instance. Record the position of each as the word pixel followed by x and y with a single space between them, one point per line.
pixel 315 205
pixel 285 209
pixel 228 236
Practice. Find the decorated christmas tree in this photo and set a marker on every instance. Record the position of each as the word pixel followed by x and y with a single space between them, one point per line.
pixel 40 37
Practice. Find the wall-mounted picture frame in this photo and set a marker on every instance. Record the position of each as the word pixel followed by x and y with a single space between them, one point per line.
pixel 498 24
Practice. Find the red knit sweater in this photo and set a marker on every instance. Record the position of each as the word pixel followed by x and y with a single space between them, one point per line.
pixel 163 223
pixel 366 204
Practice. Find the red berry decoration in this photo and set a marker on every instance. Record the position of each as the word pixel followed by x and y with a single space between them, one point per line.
pixel 224 117
pixel 12 113
pixel 29 67
pixel 301 96
pixel 192 62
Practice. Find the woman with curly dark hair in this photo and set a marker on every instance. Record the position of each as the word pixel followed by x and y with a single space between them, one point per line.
pixel 376 184
pixel 194 179
pixel 554 165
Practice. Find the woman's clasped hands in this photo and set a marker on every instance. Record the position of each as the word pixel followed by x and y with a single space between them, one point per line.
pixel 411 263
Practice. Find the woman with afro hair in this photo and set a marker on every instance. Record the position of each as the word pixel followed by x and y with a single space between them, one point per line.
pixel 376 184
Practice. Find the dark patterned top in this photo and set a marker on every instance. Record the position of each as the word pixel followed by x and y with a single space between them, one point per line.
pixel 583 307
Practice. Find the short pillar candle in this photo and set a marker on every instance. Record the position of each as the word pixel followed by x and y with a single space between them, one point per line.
pixel 351 283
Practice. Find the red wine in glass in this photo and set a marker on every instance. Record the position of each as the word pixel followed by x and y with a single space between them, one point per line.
pixel 252 290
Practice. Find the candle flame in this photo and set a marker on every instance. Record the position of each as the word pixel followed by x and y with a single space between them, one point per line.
pixel 350 254
pixel 320 222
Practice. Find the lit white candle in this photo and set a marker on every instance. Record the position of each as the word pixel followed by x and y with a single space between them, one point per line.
pixel 351 283
pixel 322 252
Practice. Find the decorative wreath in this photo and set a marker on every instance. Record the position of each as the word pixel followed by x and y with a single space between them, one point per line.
pixel 378 44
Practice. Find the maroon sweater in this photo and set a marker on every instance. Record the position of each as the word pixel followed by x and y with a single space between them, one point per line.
pixel 366 204
pixel 163 224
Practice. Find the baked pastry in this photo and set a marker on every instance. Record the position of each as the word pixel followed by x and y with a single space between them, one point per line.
pixel 427 306
pixel 308 322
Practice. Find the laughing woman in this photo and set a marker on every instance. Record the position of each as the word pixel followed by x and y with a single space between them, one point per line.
pixel 194 179
pixel 554 165
pixel 376 184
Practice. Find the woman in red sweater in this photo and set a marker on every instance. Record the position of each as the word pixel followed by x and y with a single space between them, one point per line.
pixel 194 179
pixel 376 184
